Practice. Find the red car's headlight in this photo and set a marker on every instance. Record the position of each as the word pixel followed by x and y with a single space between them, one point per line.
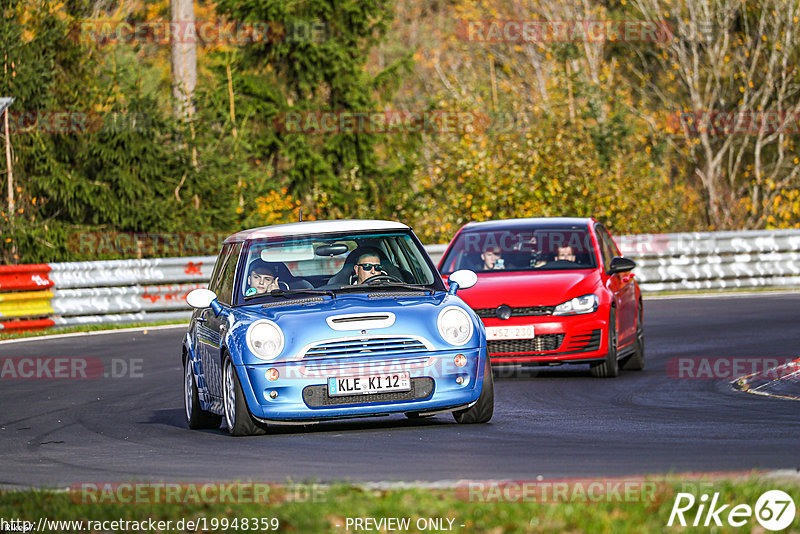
pixel 578 305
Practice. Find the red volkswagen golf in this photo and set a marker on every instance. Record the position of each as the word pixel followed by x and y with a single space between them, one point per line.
pixel 551 291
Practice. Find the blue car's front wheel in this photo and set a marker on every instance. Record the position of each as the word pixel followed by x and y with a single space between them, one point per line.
pixel 237 416
pixel 195 416
pixel 482 410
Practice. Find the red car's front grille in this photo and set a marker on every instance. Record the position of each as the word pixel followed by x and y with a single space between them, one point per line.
pixel 525 311
pixel 540 343
pixel 584 342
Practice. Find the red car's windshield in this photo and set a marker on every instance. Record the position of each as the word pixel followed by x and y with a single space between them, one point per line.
pixel 521 249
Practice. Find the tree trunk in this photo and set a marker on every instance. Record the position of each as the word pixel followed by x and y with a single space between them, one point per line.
pixel 184 56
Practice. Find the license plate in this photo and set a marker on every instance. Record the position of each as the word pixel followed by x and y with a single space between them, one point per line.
pixel 369 384
pixel 510 332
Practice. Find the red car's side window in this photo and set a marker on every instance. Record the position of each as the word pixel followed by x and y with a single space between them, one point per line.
pixel 607 246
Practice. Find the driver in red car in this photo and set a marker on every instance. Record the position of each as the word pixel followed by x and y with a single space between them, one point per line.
pixel 565 254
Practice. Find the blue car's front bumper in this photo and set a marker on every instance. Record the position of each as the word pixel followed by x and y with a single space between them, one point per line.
pixel 300 393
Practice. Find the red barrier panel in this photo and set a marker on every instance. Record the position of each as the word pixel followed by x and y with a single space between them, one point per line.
pixel 33 324
pixel 24 277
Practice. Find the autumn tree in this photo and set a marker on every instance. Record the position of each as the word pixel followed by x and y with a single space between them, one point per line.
pixel 725 86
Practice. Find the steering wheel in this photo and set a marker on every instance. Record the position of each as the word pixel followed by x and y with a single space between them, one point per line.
pixel 381 278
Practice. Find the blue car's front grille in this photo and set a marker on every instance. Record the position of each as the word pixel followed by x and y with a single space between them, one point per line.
pixel 364 365
pixel 365 346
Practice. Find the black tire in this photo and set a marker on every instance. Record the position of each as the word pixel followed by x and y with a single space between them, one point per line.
pixel 609 368
pixel 481 411
pixel 635 362
pixel 237 416
pixel 195 417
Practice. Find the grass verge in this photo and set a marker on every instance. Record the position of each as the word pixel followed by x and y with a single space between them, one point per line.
pixel 642 505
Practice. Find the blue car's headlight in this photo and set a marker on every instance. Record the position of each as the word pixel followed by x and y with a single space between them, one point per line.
pixel 455 326
pixel 265 339
pixel 577 306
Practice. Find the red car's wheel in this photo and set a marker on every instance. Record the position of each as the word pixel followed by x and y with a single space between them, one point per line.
pixel 609 368
pixel 635 362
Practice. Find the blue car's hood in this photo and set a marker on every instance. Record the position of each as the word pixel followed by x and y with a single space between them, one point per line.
pixel 305 323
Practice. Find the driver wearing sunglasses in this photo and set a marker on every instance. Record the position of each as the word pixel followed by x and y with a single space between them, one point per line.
pixel 367 265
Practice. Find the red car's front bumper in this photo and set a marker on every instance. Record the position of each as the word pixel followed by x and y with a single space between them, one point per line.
pixel 567 339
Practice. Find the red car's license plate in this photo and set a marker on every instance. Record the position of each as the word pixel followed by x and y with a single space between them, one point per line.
pixel 510 332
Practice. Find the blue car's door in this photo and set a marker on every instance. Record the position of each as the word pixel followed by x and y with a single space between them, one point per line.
pixel 209 351
pixel 211 327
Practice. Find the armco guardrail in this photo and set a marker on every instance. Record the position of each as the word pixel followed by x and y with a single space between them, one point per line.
pixel 122 291
pixel 117 291
pixel 715 260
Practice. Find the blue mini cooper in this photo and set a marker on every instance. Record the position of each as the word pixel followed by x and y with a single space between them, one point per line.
pixel 321 320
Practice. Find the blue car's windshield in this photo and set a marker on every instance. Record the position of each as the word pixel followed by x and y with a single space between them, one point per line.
pixel 521 249
pixel 332 263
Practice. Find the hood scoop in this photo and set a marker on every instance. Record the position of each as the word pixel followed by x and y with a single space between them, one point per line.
pixel 360 321
pixel 293 302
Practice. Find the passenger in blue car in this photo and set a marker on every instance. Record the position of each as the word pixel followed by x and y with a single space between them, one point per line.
pixel 261 278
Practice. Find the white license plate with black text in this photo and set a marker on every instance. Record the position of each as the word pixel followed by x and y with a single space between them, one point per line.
pixel 510 332
pixel 369 384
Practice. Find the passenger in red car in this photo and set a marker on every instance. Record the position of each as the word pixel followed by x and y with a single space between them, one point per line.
pixel 491 259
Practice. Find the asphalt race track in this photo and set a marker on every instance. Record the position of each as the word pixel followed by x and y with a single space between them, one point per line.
pixel 559 423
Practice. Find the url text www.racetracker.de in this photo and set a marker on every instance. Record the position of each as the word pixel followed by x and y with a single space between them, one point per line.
pixel 195 524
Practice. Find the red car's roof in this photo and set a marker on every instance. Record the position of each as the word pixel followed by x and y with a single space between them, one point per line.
pixel 541 222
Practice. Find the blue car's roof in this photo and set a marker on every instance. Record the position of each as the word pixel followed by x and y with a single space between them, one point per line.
pixel 315 227
pixel 519 224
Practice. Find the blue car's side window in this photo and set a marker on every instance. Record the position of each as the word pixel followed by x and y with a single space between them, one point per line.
pixel 216 276
pixel 228 277
pixel 214 283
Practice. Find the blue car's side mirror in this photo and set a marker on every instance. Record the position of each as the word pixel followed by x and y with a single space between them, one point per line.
pixel 204 298
pixel 462 279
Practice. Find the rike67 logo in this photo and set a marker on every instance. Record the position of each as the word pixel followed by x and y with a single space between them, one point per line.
pixel 774 510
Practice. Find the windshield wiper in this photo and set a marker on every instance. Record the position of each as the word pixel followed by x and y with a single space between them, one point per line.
pixel 389 285
pixel 288 292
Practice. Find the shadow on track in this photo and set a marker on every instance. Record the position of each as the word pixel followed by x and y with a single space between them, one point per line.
pixel 176 419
